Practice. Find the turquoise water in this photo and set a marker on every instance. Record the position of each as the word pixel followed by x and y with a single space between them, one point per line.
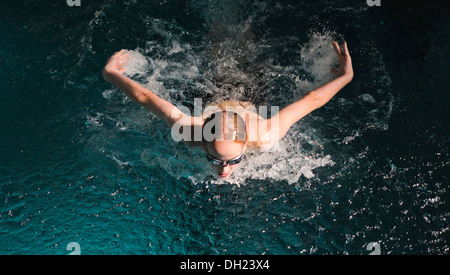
pixel 79 162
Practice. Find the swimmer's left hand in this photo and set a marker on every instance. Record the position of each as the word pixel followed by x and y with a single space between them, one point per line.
pixel 345 61
pixel 116 64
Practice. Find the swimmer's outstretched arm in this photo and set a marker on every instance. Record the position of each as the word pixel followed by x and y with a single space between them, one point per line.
pixel 113 72
pixel 315 99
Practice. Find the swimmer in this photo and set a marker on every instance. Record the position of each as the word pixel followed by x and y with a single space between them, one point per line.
pixel 234 125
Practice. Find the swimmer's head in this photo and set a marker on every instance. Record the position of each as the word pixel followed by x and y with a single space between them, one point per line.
pixel 224 140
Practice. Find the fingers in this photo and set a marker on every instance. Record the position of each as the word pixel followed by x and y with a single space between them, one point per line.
pixel 336 47
pixel 117 54
pixel 339 50
pixel 122 57
pixel 126 56
pixel 346 49
pixel 121 53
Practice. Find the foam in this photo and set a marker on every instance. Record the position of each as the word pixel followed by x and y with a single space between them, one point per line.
pixel 171 65
pixel 137 65
pixel 165 74
pixel 318 57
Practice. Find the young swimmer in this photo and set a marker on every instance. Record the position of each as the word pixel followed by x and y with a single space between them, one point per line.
pixel 229 128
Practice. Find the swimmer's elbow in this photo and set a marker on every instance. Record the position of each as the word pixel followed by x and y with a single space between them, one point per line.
pixel 142 99
pixel 315 100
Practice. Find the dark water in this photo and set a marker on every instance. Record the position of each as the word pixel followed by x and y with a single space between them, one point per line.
pixel 81 163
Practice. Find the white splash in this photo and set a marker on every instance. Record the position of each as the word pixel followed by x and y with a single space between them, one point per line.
pixel 137 65
pixel 168 66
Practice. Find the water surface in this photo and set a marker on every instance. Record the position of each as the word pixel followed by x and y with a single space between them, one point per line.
pixel 79 162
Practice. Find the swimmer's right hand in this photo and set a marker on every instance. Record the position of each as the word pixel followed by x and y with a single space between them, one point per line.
pixel 345 61
pixel 116 64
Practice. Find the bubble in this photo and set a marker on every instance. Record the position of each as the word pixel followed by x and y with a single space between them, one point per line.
pixel 232 68
pixel 137 64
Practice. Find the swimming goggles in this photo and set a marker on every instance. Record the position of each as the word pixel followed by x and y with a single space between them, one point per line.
pixel 225 163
